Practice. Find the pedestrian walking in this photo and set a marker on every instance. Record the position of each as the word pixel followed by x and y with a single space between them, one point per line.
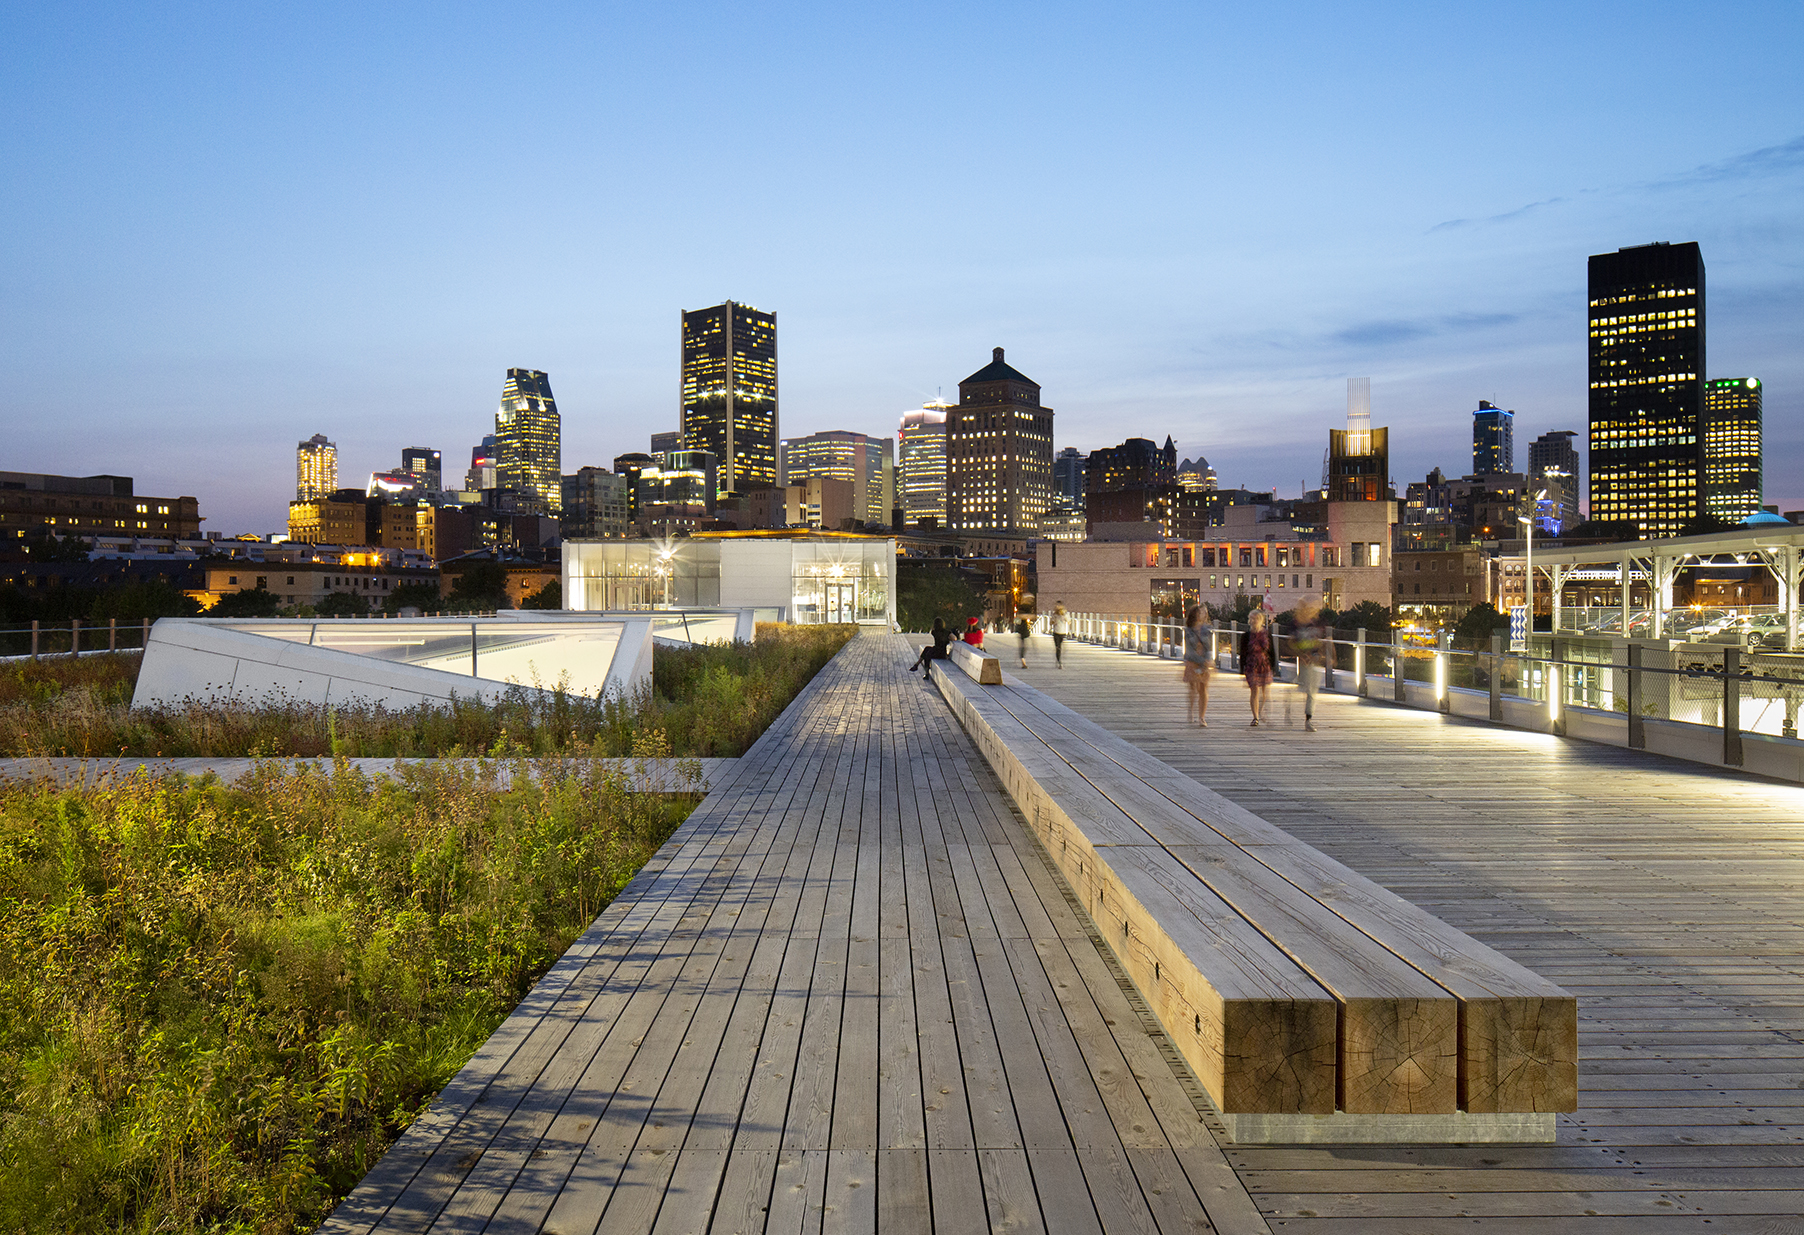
pixel 1022 630
pixel 1310 644
pixel 1198 665
pixel 939 649
pixel 1061 626
pixel 1259 663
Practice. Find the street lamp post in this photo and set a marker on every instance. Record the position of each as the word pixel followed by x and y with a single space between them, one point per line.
pixel 1528 563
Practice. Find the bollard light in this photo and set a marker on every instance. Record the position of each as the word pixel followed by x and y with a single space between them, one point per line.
pixel 1440 675
pixel 1553 691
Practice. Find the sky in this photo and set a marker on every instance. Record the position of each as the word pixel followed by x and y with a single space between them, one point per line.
pixel 229 227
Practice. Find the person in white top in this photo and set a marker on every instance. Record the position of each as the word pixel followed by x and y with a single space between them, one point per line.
pixel 1061 626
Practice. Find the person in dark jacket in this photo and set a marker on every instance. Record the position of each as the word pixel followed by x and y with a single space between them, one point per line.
pixel 937 650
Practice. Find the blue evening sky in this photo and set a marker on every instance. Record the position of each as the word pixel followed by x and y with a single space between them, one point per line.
pixel 228 227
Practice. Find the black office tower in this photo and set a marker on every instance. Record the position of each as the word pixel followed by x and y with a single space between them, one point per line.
pixel 730 392
pixel 1647 386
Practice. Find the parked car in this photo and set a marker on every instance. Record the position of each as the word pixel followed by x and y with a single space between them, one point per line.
pixel 1766 630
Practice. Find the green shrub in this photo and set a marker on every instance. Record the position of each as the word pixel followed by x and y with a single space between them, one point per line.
pixel 220 1004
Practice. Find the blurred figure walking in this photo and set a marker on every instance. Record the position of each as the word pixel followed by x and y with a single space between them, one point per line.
pixel 1061 626
pixel 1198 665
pixel 1310 644
pixel 1023 628
pixel 1259 663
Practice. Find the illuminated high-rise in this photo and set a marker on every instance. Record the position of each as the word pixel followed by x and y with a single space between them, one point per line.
pixel 528 436
pixel 838 454
pixel 1646 309
pixel 729 392
pixel 315 469
pixel 921 465
pixel 1733 481
pixel 1359 456
pixel 1493 440
pixel 428 465
pixel 998 452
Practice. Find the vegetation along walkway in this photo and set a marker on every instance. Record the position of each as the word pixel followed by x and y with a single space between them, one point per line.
pixel 848 994
pixel 653 775
pixel 1665 895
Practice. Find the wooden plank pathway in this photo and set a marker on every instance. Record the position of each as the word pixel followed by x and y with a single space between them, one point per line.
pixel 848 995
pixel 1668 896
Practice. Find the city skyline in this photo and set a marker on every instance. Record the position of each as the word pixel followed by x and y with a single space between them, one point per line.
pixel 1147 295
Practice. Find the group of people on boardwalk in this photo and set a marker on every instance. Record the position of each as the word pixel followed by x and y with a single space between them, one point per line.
pixel 1309 643
pixel 1258 661
pixel 1058 623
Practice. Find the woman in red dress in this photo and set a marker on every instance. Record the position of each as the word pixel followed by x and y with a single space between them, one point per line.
pixel 1258 663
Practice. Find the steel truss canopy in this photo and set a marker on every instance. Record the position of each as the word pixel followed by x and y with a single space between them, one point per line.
pixel 1779 547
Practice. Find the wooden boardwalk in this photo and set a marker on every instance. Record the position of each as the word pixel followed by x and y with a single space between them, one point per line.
pixel 848 995
pixel 1668 896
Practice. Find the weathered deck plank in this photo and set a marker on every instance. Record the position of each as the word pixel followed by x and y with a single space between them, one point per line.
pixel 848 995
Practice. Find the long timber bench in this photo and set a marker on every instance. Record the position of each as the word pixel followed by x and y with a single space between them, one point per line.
pixel 1312 1003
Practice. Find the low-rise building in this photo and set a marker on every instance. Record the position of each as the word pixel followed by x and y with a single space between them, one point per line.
pixel 37 504
pixel 306 574
pixel 1435 587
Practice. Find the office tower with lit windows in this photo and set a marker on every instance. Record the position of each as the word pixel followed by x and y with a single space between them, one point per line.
pixel 428 466
pixel 664 443
pixel 838 454
pixel 1068 477
pixel 484 461
pixel 921 462
pixel 1493 440
pixel 528 436
pixel 729 392
pixel 1553 465
pixel 1359 456
pixel 1646 310
pixel 1733 479
pixel 998 452
pixel 315 469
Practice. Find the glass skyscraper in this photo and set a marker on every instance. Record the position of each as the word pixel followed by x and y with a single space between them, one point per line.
pixel 921 460
pixel 1733 481
pixel 428 465
pixel 315 469
pixel 1646 307
pixel 729 392
pixel 1493 440
pixel 838 454
pixel 528 437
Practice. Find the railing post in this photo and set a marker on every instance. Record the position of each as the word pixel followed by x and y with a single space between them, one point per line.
pixel 112 634
pixel 1359 663
pixel 1556 686
pixel 1637 721
pixel 1496 677
pixel 34 638
pixel 1398 679
pixel 145 642
pixel 1443 692
pixel 1732 706
pixel 74 638
pixel 472 649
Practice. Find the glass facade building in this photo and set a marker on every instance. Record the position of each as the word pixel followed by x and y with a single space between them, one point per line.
pixel 729 392
pixel 1733 478
pixel 842 455
pixel 528 438
pixel 1493 440
pixel 426 464
pixel 921 459
pixel 1646 325
pixel 315 469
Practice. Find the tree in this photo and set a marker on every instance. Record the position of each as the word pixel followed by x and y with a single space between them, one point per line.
pixel 1705 523
pixel 342 604
pixel 1476 628
pixel 551 596
pixel 51 548
pixel 422 596
pixel 480 585
pixel 152 598
pixel 926 590
pixel 1367 614
pixel 250 602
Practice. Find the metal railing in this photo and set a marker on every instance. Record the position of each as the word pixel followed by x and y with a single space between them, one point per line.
pixel 1722 689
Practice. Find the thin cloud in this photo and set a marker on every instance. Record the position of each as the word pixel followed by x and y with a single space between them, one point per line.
pixel 1496 218
pixel 1388 333
pixel 1766 161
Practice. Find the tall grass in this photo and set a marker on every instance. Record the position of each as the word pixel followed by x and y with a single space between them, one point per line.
pixel 219 1004
pixel 711 701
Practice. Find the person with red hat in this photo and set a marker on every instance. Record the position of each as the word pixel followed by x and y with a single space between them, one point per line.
pixel 974 632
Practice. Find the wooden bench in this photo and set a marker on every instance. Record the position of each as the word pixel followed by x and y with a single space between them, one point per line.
pixel 983 668
pixel 1294 986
